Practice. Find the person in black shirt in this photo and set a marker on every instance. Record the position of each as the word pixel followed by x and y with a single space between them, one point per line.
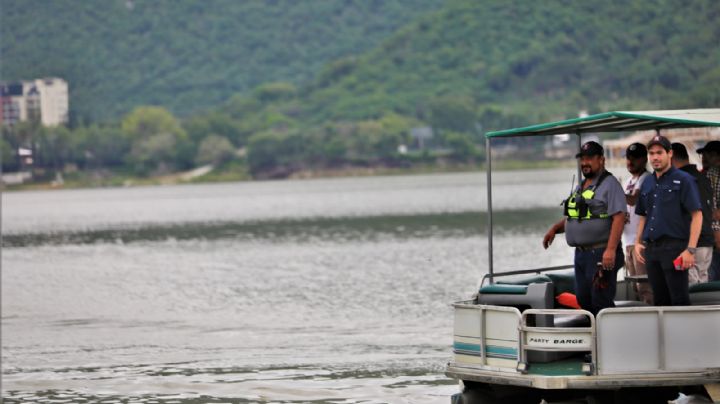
pixel 703 256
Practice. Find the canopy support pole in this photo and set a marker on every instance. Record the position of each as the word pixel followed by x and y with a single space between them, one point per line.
pixel 579 169
pixel 488 185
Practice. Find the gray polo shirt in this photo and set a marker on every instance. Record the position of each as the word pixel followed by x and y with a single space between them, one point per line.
pixel 609 198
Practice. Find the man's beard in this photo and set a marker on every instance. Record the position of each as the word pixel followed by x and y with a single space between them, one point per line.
pixel 589 175
pixel 660 167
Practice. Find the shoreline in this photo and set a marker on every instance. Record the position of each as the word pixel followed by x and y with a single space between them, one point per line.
pixel 90 180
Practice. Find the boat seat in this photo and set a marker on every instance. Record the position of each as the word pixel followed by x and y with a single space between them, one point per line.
pixel 573 320
pixel 705 293
pixel 558 282
pixel 563 281
pixel 504 289
pixel 526 280
pixel 630 303
pixel 533 295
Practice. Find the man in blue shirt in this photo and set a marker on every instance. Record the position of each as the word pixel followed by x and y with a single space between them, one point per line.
pixel 669 227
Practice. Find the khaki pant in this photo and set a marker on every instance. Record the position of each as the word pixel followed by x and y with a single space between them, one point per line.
pixel 698 273
pixel 635 268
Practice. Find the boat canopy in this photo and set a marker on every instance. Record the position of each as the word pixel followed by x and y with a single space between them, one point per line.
pixel 620 121
pixel 616 121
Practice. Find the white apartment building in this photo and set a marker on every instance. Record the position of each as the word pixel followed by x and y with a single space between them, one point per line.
pixel 44 99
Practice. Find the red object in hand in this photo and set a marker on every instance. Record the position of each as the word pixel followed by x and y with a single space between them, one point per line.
pixel 678 262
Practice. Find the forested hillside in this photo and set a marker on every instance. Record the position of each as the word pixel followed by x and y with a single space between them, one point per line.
pixel 273 88
pixel 186 55
pixel 536 59
pixel 190 55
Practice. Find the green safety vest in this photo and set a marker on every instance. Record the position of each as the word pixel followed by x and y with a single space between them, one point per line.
pixel 576 206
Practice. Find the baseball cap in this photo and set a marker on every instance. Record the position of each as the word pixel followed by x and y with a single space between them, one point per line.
pixel 711 146
pixel 660 140
pixel 591 148
pixel 636 150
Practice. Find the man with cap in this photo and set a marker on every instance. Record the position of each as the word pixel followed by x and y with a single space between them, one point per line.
pixel 710 154
pixel 636 162
pixel 593 224
pixel 669 226
pixel 699 272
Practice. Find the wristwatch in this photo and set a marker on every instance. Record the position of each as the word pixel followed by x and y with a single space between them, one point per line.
pixel 691 250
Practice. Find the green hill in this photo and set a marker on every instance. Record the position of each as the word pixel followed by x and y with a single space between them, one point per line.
pixel 326 84
pixel 185 55
pixel 358 59
pixel 536 59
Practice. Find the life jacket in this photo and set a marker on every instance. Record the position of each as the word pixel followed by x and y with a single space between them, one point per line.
pixel 576 206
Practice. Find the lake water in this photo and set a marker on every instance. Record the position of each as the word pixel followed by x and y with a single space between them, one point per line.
pixel 324 291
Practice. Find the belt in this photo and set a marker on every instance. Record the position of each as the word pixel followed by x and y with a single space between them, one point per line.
pixel 591 246
pixel 664 241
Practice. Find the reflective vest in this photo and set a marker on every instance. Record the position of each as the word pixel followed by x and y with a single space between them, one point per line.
pixel 576 206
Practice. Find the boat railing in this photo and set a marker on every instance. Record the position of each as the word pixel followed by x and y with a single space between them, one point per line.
pixel 658 339
pixel 491 276
pixel 556 339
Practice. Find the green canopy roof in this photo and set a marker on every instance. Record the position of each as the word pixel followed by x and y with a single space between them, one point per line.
pixel 619 121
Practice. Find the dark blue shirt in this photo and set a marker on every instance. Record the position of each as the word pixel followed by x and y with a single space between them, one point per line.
pixel 667 203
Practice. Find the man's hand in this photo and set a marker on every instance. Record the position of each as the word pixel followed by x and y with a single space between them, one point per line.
pixel 558 227
pixel 608 259
pixel 549 237
pixel 640 252
pixel 688 260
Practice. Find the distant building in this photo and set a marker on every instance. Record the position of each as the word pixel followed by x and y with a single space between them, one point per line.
pixel 422 135
pixel 45 100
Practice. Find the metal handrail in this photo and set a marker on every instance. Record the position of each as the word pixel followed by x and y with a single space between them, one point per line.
pixel 524 271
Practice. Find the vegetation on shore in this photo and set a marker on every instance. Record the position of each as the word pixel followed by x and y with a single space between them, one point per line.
pixel 416 93
pixel 186 55
pixel 238 172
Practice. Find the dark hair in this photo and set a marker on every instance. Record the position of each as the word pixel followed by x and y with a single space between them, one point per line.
pixel 680 152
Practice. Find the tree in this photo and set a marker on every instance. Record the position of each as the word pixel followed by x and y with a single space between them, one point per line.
pixel 7 154
pixel 53 147
pixel 381 138
pixel 452 113
pixel 156 152
pixel 147 121
pixel 215 150
pixel 263 151
pixel 463 149
pixel 273 92
pixel 98 146
pixel 215 123
pixel 278 153
pixel 239 106
pixel 158 141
